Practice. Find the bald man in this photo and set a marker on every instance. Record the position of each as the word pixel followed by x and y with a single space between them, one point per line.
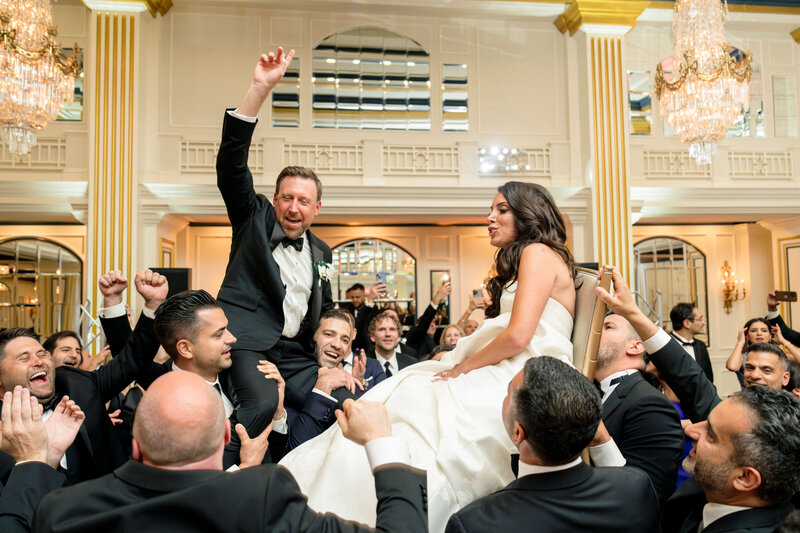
pixel 175 481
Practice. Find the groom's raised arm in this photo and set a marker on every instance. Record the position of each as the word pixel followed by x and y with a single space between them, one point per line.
pixel 234 179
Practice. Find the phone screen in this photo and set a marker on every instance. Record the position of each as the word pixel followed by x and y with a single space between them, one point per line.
pixel 476 293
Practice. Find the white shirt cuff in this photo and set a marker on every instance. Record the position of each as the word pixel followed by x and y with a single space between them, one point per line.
pixel 149 314
pixel 387 450
pixel 606 454
pixel 112 312
pixel 238 115
pixel 772 315
pixel 321 393
pixel 28 461
pixel 280 426
pixel 233 468
pixel 435 307
pixel 657 341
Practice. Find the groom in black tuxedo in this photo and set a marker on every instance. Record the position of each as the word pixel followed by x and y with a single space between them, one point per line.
pixel 276 283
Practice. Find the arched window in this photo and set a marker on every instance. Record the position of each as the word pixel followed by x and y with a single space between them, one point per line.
pixel 361 260
pixel 371 78
pixel 40 285
pixel 670 271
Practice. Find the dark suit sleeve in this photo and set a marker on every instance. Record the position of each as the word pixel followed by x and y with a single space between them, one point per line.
pixel 234 179
pixel 117 331
pixel 704 360
pixel 402 505
pixel 698 396
pixel 316 416
pixel 26 486
pixel 652 440
pixel 788 333
pixel 363 319
pixel 135 357
pixel 454 525
pixel 416 335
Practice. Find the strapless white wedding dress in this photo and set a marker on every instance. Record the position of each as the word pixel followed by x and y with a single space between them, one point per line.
pixel 454 428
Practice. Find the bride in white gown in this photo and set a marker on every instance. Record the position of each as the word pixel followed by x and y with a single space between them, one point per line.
pixel 449 411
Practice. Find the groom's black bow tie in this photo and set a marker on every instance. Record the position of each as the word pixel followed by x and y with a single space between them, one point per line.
pixel 297 244
pixel 683 342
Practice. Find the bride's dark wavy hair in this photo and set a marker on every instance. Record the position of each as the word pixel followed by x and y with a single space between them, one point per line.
pixel 537 220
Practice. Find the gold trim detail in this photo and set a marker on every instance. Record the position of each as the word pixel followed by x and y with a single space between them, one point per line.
pixel 739 8
pixel 604 12
pixel 154 7
pixel 796 35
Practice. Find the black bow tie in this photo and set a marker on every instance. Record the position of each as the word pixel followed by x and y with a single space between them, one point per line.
pixel 52 403
pixel 683 342
pixel 297 244
pixel 613 382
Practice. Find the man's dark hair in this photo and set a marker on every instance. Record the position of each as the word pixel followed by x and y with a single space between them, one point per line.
pixel 53 340
pixel 682 311
pixel 177 319
pixel 299 172
pixel 772 446
pixel 356 287
pixel 767 347
pixel 439 348
pixel 558 408
pixel 339 314
pixel 10 334
pixel 791 524
pixel 794 376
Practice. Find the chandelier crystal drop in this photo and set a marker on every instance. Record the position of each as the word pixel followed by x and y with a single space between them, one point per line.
pixel 36 81
pixel 710 85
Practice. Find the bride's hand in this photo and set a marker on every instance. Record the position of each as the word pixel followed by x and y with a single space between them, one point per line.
pixel 450 374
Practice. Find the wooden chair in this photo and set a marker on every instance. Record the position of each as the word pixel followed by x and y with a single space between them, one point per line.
pixel 590 312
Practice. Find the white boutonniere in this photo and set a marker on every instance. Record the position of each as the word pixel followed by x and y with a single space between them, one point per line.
pixel 324 272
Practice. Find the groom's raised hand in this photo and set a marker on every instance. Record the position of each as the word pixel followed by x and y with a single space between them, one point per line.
pixel 268 72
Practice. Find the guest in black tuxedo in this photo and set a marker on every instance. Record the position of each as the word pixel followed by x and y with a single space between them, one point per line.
pixel 276 284
pixel 37 447
pixel 23 361
pixel 363 307
pixel 687 322
pixel 642 422
pixel 384 331
pixel 552 413
pixel 174 482
pixel 193 330
pixel 341 376
pixel 746 456
pixel 65 348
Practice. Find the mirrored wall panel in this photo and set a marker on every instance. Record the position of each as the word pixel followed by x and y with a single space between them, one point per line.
pixel 286 98
pixel 455 106
pixel 640 102
pixel 40 286
pixel 74 111
pixel 361 261
pixel 371 78
pixel 784 104
pixel 669 271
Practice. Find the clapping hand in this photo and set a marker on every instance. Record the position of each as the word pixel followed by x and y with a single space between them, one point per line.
pixel 359 366
pixel 62 428
pixel 153 287
pixel 23 433
pixel 112 284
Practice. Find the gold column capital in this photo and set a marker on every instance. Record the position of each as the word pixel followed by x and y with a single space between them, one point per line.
pixel 796 35
pixel 155 7
pixel 600 12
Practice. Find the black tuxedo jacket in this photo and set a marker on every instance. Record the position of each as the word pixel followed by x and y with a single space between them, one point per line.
pixel 417 336
pixel 403 360
pixel 683 513
pixel 25 488
pixel 97 449
pixel 252 292
pixel 647 430
pixel 788 333
pixel 137 497
pixel 362 319
pixel 701 357
pixel 581 498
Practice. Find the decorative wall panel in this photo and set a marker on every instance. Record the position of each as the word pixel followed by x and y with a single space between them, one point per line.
pixel 673 164
pixel 46 154
pixel 330 158
pixel 426 160
pixel 200 157
pixel 760 164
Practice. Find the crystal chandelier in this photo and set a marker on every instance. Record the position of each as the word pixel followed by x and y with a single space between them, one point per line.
pixel 709 86
pixel 36 81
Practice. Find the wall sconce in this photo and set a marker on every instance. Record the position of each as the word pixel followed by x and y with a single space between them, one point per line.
pixel 730 287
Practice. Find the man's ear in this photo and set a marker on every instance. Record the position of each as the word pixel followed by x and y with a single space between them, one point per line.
pixel 786 377
pixel 746 479
pixel 685 325
pixel 184 348
pixel 635 349
pixel 136 451
pixel 372 337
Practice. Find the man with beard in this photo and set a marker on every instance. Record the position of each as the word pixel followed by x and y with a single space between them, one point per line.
pixel 642 422
pixel 65 348
pixel 746 455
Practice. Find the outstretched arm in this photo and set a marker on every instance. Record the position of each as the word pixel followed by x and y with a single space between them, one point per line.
pixel 536 278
